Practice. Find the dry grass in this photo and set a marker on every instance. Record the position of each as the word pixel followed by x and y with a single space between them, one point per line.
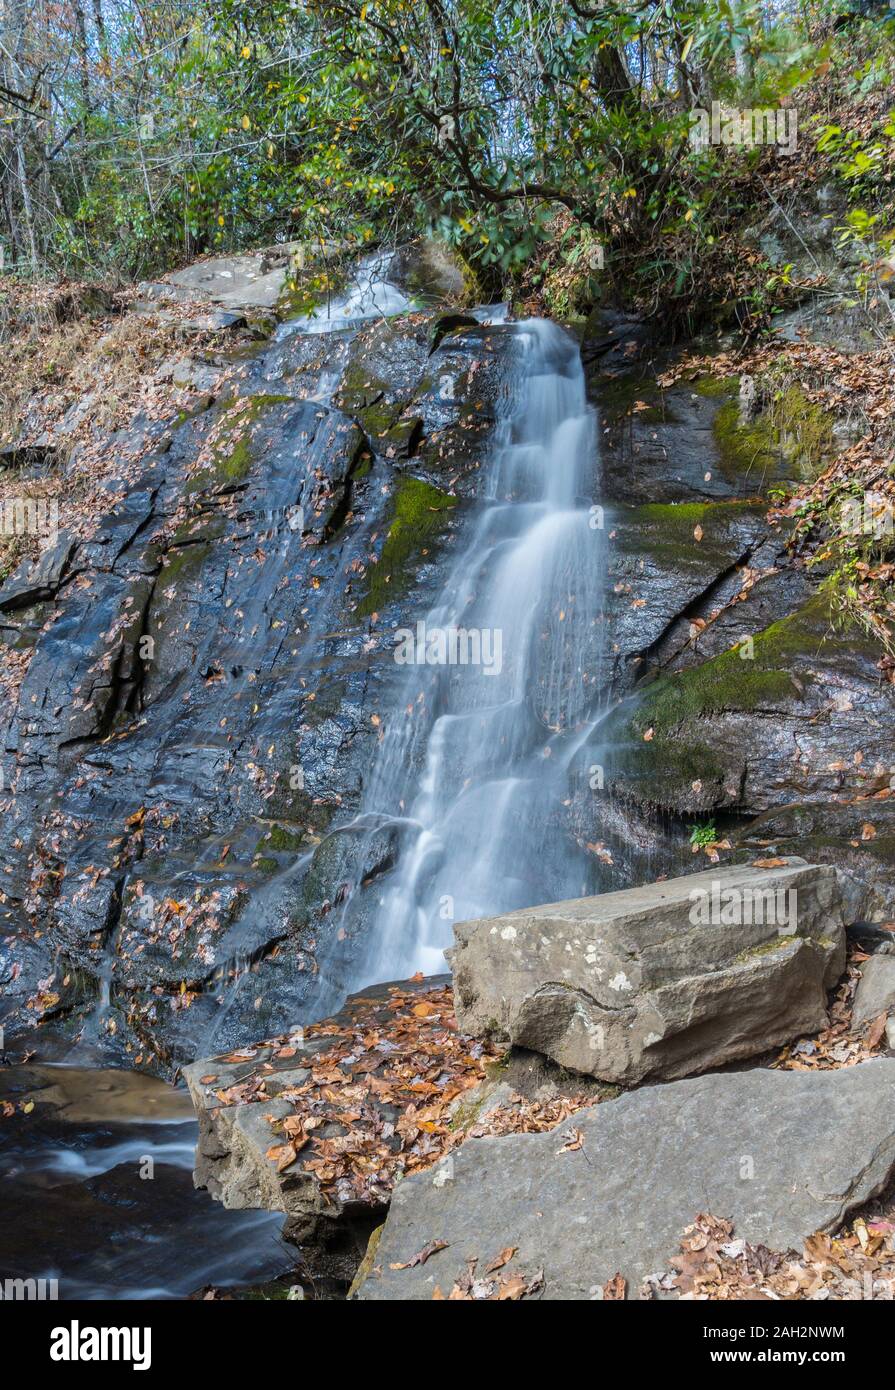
pixel 66 345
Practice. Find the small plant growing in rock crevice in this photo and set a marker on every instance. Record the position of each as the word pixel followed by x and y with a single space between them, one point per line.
pixel 703 835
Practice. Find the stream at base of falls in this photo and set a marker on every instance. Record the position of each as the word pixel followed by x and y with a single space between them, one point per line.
pixel 95 1165
pixel 96 1191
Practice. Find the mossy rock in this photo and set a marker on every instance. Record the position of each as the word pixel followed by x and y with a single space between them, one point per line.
pixel 437 273
pixel 714 387
pixel 183 417
pixel 618 397
pixel 419 515
pixel 665 532
pixel 364 396
pixel 201 527
pixel 231 459
pixel 743 678
pixel 805 430
pixel 665 742
pixel 789 440
pixel 280 840
pixel 751 449
pixel 184 562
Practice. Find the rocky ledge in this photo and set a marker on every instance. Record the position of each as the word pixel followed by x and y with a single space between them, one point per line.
pixel 782 1154
pixel 321 1123
pixel 534 1178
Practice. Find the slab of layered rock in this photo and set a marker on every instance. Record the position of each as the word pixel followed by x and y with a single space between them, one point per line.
pixel 780 1154
pixel 253 280
pixel 320 1123
pixel 660 981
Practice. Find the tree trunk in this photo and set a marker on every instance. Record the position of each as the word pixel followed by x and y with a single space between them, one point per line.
pixel 83 54
pixel 25 190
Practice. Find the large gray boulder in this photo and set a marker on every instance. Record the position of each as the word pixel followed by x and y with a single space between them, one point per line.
pixel 660 981
pixel 781 1154
pixel 252 280
pixel 875 994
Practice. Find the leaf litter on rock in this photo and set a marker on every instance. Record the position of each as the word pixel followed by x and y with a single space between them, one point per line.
pixel 381 1097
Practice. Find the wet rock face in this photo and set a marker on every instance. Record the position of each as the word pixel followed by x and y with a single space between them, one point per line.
pixel 783 731
pixel 198 721
pixel 662 981
pixel 747 695
pixel 782 1154
pixel 786 718
pixel 657 572
pixel 688 442
pixel 199 711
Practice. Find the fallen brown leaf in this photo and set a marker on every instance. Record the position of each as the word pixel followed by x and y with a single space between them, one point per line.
pixel 423 1255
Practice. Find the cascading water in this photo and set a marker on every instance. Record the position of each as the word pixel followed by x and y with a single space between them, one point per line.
pixel 369 294
pixel 473 766
pixel 471 782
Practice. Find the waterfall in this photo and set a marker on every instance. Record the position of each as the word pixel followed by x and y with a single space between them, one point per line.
pixel 473 763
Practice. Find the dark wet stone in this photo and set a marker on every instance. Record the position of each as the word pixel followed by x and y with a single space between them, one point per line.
pixel 665 562
pixel 38 579
pixel 196 724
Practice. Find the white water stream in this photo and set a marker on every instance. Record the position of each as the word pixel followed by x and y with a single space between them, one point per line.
pixel 474 761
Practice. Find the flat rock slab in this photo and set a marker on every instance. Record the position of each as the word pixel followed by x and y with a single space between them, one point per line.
pixel 661 981
pixel 254 280
pixel 780 1154
pixel 321 1122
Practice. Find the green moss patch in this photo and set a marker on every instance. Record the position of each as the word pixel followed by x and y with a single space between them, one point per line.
pixel 363 395
pixel 734 681
pixel 231 452
pixel 665 531
pixel 280 840
pixel 714 387
pixel 676 711
pixel 764 948
pixel 418 521
pixel 183 562
pixel 789 439
pixel 805 430
pixel 750 449
pixel 232 466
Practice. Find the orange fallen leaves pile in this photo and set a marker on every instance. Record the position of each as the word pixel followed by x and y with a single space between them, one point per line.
pixel 381 1097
